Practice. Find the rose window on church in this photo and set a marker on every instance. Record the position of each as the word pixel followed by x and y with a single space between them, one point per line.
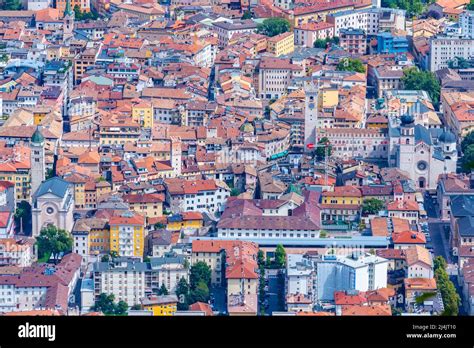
pixel 422 165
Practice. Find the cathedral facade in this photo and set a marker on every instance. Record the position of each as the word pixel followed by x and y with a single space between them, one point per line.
pixel 421 152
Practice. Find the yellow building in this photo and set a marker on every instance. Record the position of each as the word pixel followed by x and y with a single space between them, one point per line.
pixel 147 204
pixel 328 97
pixel 17 170
pixel 318 12
pixel 185 220
pixel 98 235
pixel 164 305
pixel 39 113
pixel 142 113
pixel 127 235
pixel 343 195
pixel 79 181
pixel 281 44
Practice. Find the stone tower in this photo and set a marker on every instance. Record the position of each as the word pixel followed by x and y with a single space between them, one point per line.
pixel 310 115
pixel 176 156
pixel 407 144
pixel 38 168
pixel 68 19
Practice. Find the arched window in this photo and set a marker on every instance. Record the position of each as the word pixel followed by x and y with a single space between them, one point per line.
pixel 407 141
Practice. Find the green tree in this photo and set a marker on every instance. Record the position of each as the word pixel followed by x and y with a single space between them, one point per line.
pixel 50 174
pixel 121 308
pixel 323 43
pixel 321 150
pixel 372 206
pixel 260 258
pixel 467 159
pixel 415 79
pixel 80 16
pixel 320 43
pixel 274 26
pixel 11 5
pixel 23 215
pixel 247 15
pixel 159 226
pixel 470 6
pixel 105 258
pixel 163 290
pixel 467 140
pixel 200 293
pixel 413 7
pixel 200 272
pixel 106 304
pixel 114 254
pixel 459 63
pixel 53 240
pixel 451 299
pixel 350 64
pixel 182 291
pixel 234 192
pixel 280 256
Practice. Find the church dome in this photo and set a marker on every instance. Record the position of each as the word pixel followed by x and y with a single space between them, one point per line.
pixel 447 137
pixel 407 120
pixel 37 137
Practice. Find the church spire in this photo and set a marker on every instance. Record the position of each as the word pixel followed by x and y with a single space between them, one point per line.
pixel 68 10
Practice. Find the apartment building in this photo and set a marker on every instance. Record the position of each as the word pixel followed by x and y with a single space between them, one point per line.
pixel 275 75
pixel 127 234
pixel 444 49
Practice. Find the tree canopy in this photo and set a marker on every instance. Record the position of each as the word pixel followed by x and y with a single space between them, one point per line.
pixel 274 26
pixel 106 304
pixel 470 6
pixel 81 16
pixel 11 5
pixel 323 43
pixel 451 299
pixel 415 79
pixel 413 7
pixel 467 148
pixel 350 64
pixel 54 241
pixel 280 256
pixel 163 290
pixel 23 216
pixel 321 151
pixel 372 206
pixel 182 291
pixel 200 272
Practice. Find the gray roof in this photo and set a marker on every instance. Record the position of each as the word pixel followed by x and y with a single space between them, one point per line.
pixel 466 226
pixel 56 186
pixel 462 205
pixel 120 265
pixel 422 135
pixel 156 262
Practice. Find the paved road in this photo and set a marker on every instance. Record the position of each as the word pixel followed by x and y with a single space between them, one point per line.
pixel 275 291
pixel 439 236
pixel 219 303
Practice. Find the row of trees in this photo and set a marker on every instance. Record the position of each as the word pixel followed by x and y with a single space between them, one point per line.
pixel 451 299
